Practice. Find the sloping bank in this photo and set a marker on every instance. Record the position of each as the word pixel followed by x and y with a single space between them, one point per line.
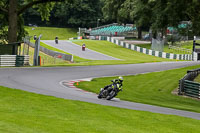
pixel 149 51
pixel 56 54
pixel 117 41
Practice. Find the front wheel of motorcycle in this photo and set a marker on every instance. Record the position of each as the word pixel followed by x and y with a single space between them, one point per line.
pixel 100 93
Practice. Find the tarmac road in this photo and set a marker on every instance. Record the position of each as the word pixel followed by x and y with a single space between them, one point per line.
pixel 75 49
pixel 48 81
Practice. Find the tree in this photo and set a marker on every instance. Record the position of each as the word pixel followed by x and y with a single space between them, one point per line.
pixel 143 15
pixel 155 14
pixel 12 10
pixel 111 10
pixel 82 13
pixel 126 12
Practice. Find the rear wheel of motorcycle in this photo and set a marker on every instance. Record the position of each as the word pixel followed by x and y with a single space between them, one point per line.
pixel 111 95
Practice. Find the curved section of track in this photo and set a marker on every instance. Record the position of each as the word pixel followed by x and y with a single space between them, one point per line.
pixel 75 49
pixel 47 81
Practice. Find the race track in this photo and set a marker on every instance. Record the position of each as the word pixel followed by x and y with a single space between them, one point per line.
pixel 48 81
pixel 75 49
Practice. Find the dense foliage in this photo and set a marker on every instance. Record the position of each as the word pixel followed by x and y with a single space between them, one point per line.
pixel 80 13
pixel 154 14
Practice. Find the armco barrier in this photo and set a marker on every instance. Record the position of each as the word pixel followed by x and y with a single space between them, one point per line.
pixel 187 86
pixel 54 53
pixel 14 60
pixel 7 60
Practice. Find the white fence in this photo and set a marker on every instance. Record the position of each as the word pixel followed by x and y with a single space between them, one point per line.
pixel 14 60
pixel 153 52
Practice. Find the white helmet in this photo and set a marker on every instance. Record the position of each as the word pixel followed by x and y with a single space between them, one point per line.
pixel 121 78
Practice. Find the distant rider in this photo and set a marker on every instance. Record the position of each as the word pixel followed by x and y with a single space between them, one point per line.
pixel 56 40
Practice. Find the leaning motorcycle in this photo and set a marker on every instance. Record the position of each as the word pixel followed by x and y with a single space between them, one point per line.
pixel 110 92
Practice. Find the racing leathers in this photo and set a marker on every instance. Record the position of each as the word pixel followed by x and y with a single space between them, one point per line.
pixel 116 86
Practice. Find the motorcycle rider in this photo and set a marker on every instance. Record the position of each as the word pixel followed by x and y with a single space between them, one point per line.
pixel 56 40
pixel 116 86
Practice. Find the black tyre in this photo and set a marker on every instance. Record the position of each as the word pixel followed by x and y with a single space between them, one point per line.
pixel 111 95
pixel 99 96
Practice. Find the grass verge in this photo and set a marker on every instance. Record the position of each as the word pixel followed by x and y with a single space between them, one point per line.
pixel 151 88
pixel 197 79
pixel 127 56
pixel 76 58
pixel 49 33
pixel 28 112
pixel 186 45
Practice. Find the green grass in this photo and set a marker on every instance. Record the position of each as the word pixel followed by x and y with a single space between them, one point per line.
pixel 166 48
pixel 151 88
pixel 49 33
pixel 197 79
pixel 186 45
pixel 127 56
pixel 24 112
pixel 76 58
pixel 46 60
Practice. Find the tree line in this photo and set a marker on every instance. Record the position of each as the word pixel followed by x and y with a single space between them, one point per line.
pixel 145 14
pixel 80 13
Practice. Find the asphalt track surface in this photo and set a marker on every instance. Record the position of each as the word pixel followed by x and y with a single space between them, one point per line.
pixel 75 49
pixel 49 81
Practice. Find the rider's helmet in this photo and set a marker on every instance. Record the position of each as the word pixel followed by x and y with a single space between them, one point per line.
pixel 121 79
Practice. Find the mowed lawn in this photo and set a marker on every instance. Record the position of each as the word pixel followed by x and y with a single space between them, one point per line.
pixel 61 63
pixel 150 88
pixel 127 56
pixel 24 112
pixel 49 33
pixel 186 45
pixel 76 58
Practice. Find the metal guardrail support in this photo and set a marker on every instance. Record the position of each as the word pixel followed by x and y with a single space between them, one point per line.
pixel 181 83
pixel 36 52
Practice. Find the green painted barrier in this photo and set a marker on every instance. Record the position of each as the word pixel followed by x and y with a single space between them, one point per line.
pixel 124 44
pixel 153 53
pixel 135 47
pixel 141 50
pixel 175 56
pixel 147 51
pixel 160 54
pixel 19 61
pixel 129 46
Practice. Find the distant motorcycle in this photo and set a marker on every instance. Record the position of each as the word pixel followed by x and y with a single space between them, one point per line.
pixel 109 91
pixel 56 40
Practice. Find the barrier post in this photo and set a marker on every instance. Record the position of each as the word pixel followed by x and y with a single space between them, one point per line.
pixel 181 86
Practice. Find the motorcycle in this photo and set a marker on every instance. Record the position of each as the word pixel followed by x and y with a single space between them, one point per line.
pixel 56 41
pixel 108 92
